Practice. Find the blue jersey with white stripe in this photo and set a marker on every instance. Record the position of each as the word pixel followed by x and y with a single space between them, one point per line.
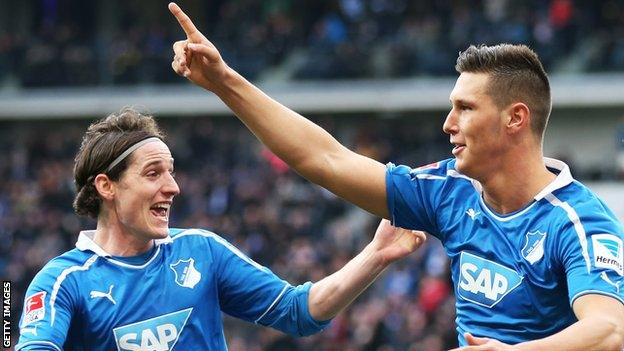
pixel 517 275
pixel 87 300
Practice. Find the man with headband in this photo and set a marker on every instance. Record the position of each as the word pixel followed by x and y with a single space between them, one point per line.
pixel 133 283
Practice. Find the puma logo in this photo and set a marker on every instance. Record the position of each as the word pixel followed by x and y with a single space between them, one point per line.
pixel 94 294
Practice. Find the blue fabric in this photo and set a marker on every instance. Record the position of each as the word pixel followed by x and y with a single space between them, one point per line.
pixel 83 300
pixel 516 276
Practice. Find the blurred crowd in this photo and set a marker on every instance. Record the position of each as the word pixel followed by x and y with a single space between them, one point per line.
pixel 232 186
pixel 85 43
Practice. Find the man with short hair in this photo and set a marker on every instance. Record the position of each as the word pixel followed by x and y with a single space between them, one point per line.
pixel 133 283
pixel 536 257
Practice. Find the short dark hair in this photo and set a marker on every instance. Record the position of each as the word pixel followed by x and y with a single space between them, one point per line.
pixel 515 74
pixel 103 142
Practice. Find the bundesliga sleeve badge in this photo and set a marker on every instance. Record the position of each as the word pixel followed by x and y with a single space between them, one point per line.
pixel 34 308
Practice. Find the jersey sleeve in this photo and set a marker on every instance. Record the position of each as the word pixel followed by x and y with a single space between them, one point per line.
pixel 47 313
pixel 592 257
pixel 413 195
pixel 253 293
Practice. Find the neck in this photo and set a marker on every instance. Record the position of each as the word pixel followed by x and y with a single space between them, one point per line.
pixel 515 182
pixel 115 240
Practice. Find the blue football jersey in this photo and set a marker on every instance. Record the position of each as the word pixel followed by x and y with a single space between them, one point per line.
pixel 86 299
pixel 516 275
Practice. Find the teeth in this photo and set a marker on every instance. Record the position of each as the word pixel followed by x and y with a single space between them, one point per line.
pixel 162 205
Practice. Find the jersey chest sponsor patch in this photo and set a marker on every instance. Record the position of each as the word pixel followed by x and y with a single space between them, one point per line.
pixel 608 252
pixel 159 333
pixel 485 282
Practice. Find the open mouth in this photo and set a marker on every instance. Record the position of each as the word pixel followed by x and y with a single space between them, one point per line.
pixel 161 210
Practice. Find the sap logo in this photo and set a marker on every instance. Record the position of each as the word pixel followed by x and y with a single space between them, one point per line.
pixel 608 252
pixel 158 333
pixel 485 282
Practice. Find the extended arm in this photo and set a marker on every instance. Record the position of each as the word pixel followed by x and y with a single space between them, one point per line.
pixel 600 328
pixel 335 292
pixel 306 147
pixel 253 293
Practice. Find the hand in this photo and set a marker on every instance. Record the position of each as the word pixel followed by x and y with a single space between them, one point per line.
pixel 393 243
pixel 483 344
pixel 196 58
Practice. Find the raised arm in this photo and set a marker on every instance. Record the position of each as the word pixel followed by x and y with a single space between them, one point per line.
pixel 305 146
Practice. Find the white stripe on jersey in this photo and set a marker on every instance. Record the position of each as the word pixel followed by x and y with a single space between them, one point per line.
pixel 21 346
pixel 453 173
pixel 272 304
pixel 504 219
pixel 238 253
pixel 596 292
pixel 61 278
pixel 127 265
pixel 223 242
pixel 578 226
pixel 429 176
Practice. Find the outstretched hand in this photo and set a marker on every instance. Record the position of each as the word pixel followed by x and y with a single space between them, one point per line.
pixel 394 243
pixel 482 344
pixel 196 58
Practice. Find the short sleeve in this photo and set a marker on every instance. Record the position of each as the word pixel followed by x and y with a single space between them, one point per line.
pixel 253 293
pixel 593 262
pixel 413 195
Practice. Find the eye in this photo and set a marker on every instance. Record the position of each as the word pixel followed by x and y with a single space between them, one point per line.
pixel 173 173
pixel 151 174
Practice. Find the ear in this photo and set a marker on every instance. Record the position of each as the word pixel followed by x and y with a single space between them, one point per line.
pixel 519 118
pixel 104 186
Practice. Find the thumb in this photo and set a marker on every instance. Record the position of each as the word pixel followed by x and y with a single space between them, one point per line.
pixel 210 53
pixel 474 340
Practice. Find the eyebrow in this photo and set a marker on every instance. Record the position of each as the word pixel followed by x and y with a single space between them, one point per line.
pixel 155 162
pixel 462 102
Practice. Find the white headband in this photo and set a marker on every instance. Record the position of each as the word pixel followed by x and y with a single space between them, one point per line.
pixel 129 151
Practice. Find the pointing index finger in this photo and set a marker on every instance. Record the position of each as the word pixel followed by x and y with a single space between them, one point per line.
pixel 184 20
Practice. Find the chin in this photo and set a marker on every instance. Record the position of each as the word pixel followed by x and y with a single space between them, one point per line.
pixel 463 167
pixel 158 233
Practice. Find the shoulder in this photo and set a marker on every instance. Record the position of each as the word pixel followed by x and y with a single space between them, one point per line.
pixel 56 281
pixel 60 267
pixel 581 207
pixel 440 168
pixel 194 238
pixel 438 175
pixel 192 234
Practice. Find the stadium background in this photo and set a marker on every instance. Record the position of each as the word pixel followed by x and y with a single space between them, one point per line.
pixel 375 73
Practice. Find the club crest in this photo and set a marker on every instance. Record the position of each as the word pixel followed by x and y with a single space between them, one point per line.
pixel 185 273
pixel 533 249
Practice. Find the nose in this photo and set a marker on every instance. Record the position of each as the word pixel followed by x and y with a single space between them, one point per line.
pixel 450 124
pixel 171 187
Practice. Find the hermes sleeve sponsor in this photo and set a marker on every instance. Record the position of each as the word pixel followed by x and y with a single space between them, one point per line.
pixel 608 252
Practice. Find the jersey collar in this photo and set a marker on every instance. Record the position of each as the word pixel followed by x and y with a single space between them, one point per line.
pixel 563 178
pixel 85 242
